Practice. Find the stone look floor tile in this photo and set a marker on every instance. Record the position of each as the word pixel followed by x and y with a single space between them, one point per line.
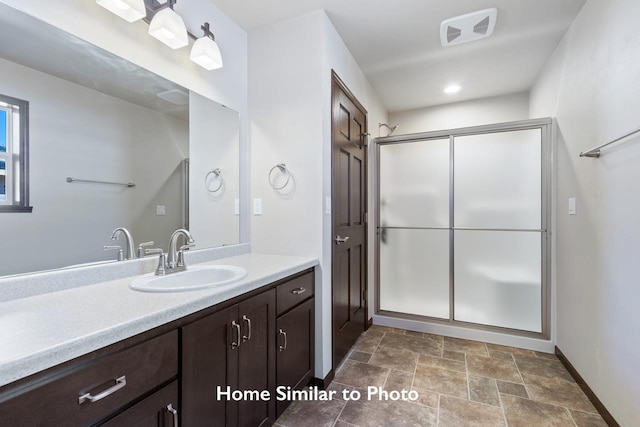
pixel 439 362
pixel 527 413
pixel 542 367
pixel 465 346
pixel 496 354
pixel 395 358
pixel 312 413
pixel 461 413
pixel 453 355
pixel 414 334
pixel 367 343
pixel 426 397
pixel 512 389
pixel 512 350
pixel 343 424
pixel 361 375
pixel 499 369
pixel 360 356
pixel 388 413
pixel 398 381
pixel 415 344
pixel 441 380
pixel 582 419
pixel 483 390
pixel 557 392
pixel 546 355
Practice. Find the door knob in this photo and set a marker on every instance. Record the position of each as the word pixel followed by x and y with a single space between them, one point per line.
pixel 340 240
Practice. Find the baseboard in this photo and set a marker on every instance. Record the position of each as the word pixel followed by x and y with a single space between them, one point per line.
pixel 606 415
pixel 322 384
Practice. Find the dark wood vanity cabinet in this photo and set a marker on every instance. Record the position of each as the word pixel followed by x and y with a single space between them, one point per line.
pixel 233 348
pixel 170 375
pixel 295 327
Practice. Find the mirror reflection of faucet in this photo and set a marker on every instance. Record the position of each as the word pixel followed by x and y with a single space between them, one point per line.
pixel 129 239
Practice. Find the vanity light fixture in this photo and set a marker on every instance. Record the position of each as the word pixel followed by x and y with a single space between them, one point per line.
pixel 205 51
pixel 168 27
pixel 451 89
pixel 129 10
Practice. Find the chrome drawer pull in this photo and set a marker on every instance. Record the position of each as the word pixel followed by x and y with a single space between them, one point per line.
pixel 120 382
pixel 174 412
pixel 284 334
pixel 248 321
pixel 235 344
pixel 298 291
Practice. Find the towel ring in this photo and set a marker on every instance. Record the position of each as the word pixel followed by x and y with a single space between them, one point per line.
pixel 284 170
pixel 218 174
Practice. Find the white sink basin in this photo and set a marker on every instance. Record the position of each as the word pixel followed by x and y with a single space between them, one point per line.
pixel 197 277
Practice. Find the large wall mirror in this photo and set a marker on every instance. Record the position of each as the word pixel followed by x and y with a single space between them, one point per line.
pixel 94 116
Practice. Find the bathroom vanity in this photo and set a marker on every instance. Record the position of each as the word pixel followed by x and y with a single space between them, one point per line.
pixel 158 358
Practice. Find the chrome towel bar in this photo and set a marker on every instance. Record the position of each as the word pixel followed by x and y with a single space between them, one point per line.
pixel 595 152
pixel 126 184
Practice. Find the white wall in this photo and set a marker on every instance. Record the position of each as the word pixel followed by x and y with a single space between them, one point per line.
pixel 591 85
pixel 78 132
pixel 290 67
pixel 483 111
pixel 228 85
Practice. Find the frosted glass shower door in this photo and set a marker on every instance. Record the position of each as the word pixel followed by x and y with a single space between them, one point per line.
pixel 498 229
pixel 414 228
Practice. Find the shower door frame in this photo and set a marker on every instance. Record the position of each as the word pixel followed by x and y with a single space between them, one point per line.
pixel 547 175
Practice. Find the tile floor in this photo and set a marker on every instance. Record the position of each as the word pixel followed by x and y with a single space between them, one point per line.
pixel 459 383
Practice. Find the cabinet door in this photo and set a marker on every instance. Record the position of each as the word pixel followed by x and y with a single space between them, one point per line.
pixel 295 355
pixel 256 362
pixel 208 361
pixel 158 410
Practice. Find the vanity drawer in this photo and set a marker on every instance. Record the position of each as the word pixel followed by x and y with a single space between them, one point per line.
pixel 111 382
pixel 294 292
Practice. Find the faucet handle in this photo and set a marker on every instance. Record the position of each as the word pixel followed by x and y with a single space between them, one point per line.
pixel 181 253
pixel 116 248
pixel 141 247
pixel 161 270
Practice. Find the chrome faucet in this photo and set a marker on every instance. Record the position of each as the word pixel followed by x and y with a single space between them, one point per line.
pixel 173 260
pixel 175 257
pixel 129 254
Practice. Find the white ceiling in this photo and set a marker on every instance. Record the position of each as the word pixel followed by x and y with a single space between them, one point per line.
pixel 397 45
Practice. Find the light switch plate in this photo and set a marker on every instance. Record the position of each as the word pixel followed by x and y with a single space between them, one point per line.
pixel 327 205
pixel 236 207
pixel 160 210
pixel 257 206
pixel 572 205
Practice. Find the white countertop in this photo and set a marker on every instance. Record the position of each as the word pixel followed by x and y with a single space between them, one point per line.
pixel 45 330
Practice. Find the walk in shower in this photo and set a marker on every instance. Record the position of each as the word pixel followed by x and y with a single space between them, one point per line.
pixel 462 226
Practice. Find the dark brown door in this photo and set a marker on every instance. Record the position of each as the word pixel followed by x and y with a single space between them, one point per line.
pixel 208 360
pixel 295 349
pixel 256 363
pixel 349 178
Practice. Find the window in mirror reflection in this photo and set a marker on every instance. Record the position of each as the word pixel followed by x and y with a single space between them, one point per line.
pixel 14 189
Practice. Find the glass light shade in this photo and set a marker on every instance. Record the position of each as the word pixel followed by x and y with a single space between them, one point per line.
pixel 129 10
pixel 168 27
pixel 206 53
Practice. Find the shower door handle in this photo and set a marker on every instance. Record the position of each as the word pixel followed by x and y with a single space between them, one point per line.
pixel 340 240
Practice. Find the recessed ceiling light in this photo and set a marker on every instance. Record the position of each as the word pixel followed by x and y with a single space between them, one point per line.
pixel 452 89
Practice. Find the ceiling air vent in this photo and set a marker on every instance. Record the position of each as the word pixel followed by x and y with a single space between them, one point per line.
pixel 469 27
